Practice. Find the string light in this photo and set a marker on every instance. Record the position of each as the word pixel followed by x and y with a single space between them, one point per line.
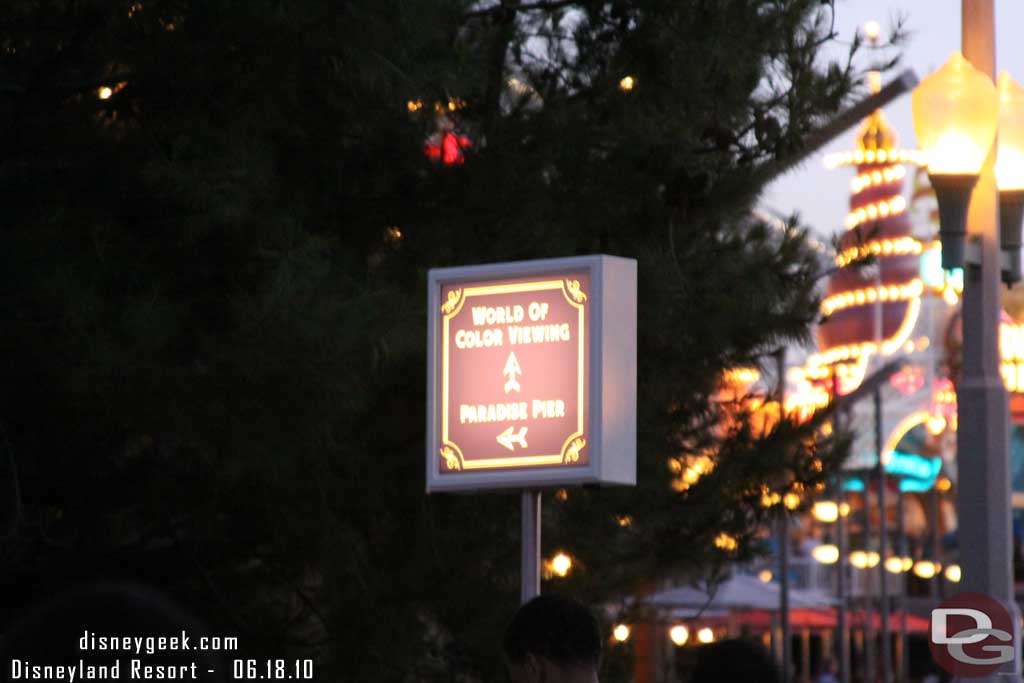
pixel 864 560
pixel 689 473
pixel 889 174
pixel 742 376
pixel 807 400
pixel 893 565
pixel 825 511
pixel 769 497
pixel 561 564
pixel 884 293
pixel 834 362
pixel 880 209
pixel 849 158
pixel 620 633
pixel 679 634
pixel 724 541
pixel 825 554
pixel 926 569
pixel 706 635
pixel 898 565
pixel 885 247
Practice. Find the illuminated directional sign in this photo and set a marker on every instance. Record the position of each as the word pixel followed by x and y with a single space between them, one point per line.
pixel 532 374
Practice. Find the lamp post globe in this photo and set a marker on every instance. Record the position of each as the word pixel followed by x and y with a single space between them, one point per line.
pixel 956 112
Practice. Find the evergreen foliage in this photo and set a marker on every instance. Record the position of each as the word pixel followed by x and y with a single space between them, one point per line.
pixel 214 282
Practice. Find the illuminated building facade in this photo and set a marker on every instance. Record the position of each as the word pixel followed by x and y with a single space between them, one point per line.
pixel 889 298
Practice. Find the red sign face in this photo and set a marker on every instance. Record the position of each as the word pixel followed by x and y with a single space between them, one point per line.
pixel 513 373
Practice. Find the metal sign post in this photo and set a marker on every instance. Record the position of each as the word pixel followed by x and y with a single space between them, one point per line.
pixel 530 574
pixel 531 382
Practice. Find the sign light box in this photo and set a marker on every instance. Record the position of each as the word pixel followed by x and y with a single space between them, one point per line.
pixel 531 374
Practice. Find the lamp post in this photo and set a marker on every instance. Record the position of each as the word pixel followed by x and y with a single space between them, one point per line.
pixel 842 623
pixel 869 598
pixel 901 553
pixel 829 511
pixel 883 532
pixel 936 586
pixel 1010 174
pixel 956 112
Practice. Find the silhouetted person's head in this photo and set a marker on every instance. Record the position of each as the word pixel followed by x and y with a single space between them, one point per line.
pixel 553 640
pixel 734 660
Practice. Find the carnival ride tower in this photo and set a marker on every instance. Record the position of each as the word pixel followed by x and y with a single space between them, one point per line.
pixel 887 297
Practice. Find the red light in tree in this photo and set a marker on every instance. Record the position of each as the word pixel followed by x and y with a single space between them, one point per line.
pixel 449 150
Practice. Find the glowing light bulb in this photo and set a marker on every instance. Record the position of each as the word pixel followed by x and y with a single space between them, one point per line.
pixel 859 559
pixel 872 29
pixel 956 112
pixel 894 565
pixel 925 569
pixel 679 634
pixel 825 511
pixel 621 633
pixel 561 564
pixel 825 554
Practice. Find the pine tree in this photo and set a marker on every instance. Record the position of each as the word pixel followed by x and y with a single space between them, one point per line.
pixel 218 218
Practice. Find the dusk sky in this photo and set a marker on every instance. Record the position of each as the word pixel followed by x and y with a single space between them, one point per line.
pixel 821 196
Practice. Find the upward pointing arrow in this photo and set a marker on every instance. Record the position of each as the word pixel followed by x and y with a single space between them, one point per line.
pixel 511 370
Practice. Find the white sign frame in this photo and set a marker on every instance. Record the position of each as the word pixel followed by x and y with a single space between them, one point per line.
pixel 611 400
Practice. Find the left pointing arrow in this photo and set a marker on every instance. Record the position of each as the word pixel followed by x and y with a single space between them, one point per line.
pixel 508 439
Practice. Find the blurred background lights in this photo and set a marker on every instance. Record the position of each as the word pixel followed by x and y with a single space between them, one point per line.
pixel 925 569
pixel 679 634
pixel 826 511
pixel 620 633
pixel 872 29
pixel 561 564
pixel 726 542
pixel 864 560
pixel 705 635
pixel 826 554
pixel 896 565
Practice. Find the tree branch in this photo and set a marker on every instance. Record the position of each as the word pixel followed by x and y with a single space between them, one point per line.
pixel 524 7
